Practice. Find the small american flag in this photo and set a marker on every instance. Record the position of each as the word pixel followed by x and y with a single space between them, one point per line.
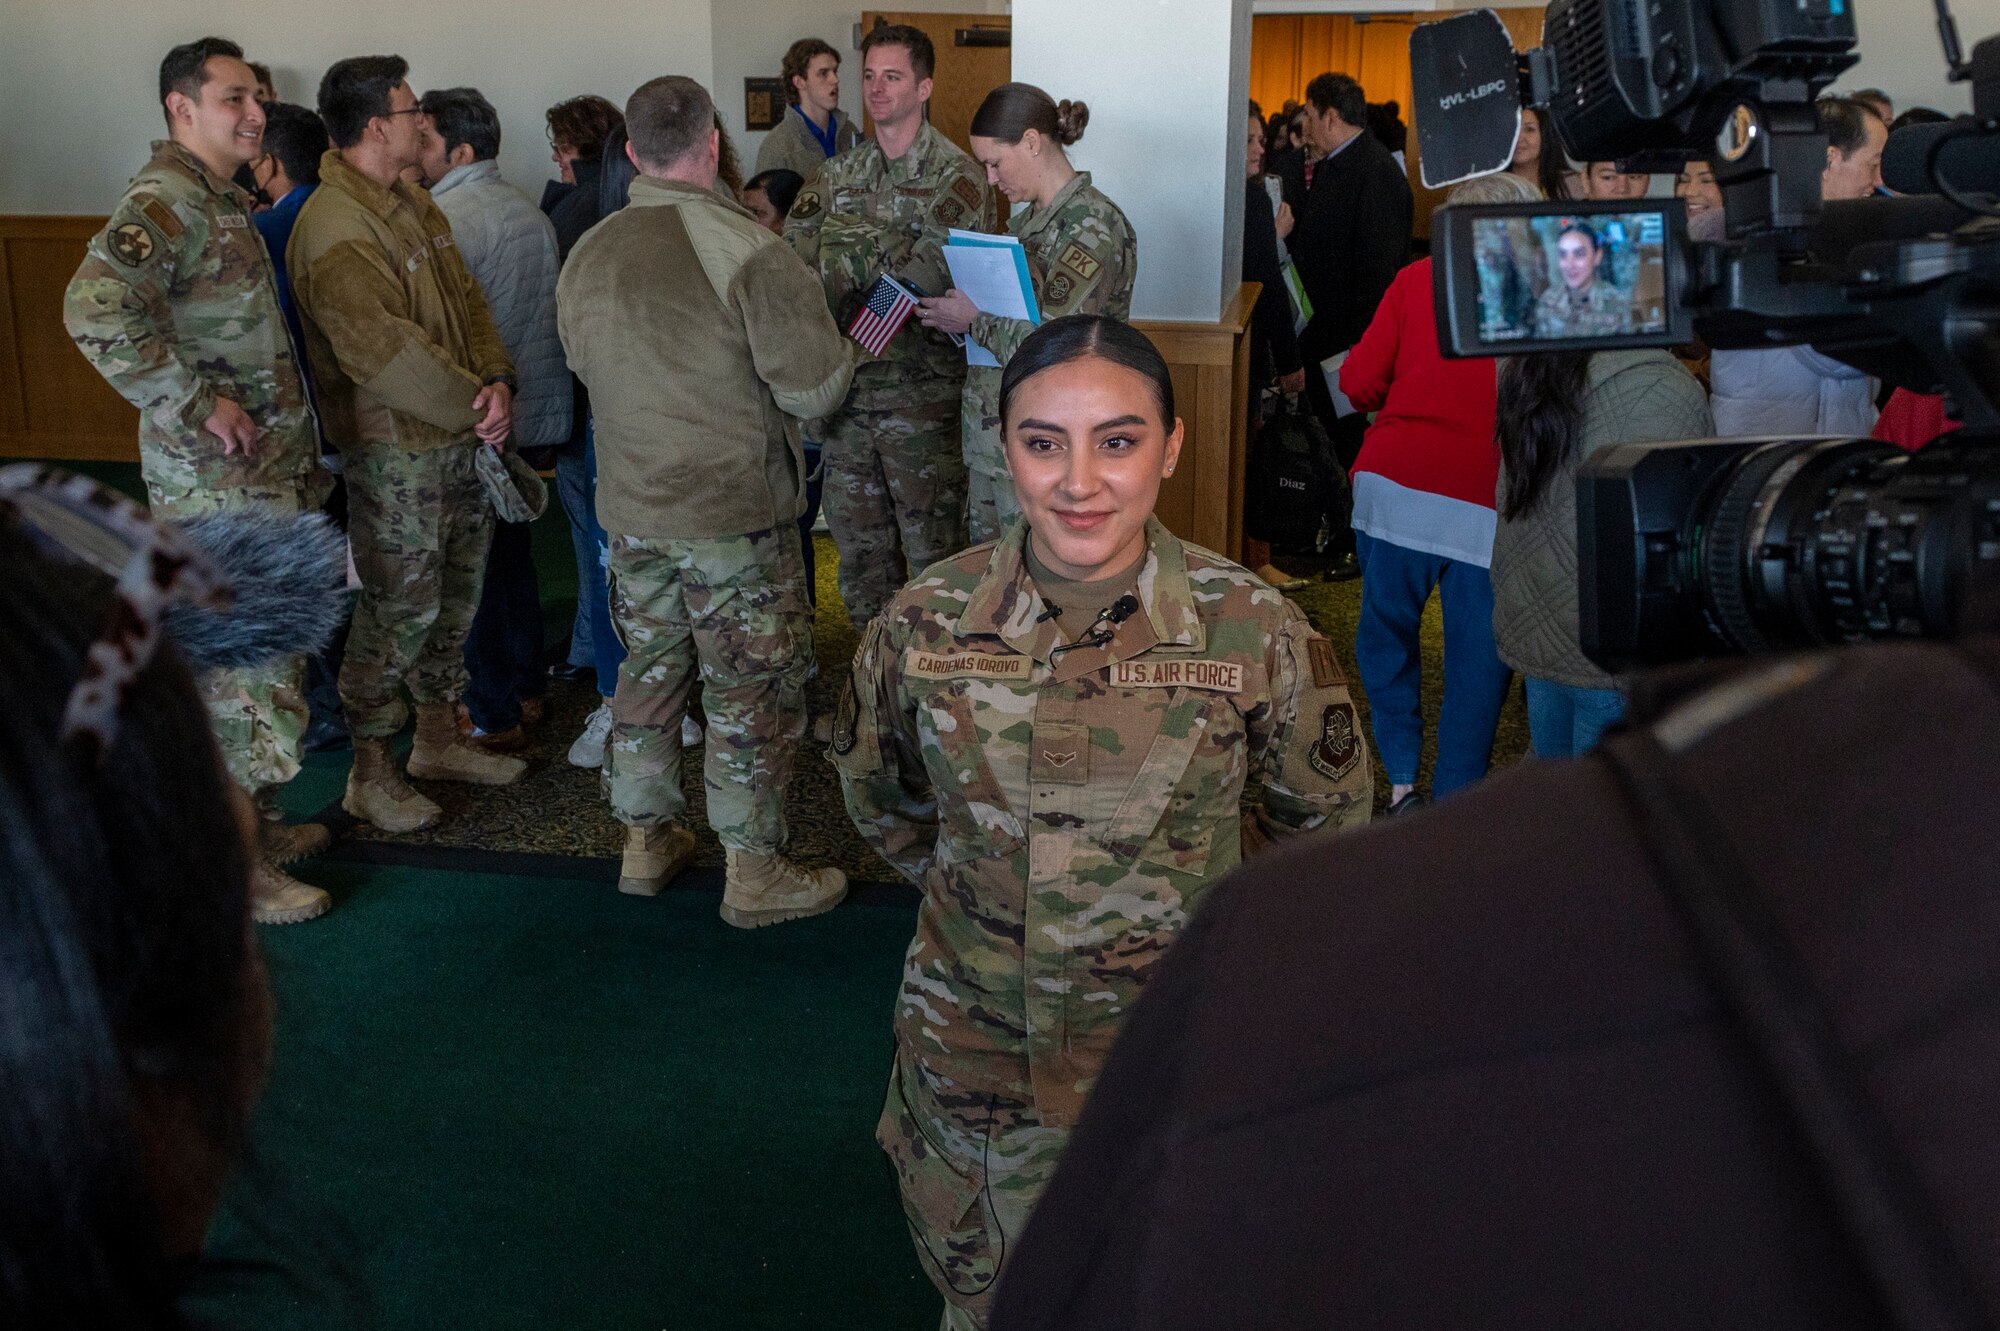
pixel 888 306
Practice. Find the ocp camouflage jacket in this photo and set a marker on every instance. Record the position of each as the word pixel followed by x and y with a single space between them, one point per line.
pixel 863 214
pixel 1083 259
pixel 397 330
pixel 1064 816
pixel 176 305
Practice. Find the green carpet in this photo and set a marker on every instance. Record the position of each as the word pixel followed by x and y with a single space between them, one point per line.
pixel 516 1103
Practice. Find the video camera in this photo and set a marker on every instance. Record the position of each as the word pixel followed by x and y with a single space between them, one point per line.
pixel 1744 545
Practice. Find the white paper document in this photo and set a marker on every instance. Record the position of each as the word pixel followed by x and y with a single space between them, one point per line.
pixel 994 277
pixel 1330 367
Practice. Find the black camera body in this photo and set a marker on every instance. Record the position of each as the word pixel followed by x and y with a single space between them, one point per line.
pixel 1724 546
pixel 1720 546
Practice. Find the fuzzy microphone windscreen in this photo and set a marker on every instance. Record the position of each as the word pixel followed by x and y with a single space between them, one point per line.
pixel 288 571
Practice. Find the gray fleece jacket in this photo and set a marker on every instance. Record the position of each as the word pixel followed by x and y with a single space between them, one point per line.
pixel 511 249
pixel 1632 397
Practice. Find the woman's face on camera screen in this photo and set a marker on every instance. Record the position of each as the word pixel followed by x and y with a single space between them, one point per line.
pixel 1578 258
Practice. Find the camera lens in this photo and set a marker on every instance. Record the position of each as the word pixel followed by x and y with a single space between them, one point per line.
pixel 1844 540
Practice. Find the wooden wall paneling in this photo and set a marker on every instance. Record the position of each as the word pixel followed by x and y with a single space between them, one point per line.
pixel 1288 50
pixel 52 403
pixel 965 74
pixel 1202 501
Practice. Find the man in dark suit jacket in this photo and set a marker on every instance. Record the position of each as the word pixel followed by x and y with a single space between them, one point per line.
pixel 1353 235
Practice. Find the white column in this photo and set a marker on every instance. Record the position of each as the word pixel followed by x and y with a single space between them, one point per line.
pixel 1167 82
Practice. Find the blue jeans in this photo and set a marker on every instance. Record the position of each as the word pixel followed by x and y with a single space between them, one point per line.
pixel 574 467
pixel 603 650
pixel 1564 722
pixel 1396 583
pixel 503 652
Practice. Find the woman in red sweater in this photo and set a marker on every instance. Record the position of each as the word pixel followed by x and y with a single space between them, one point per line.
pixel 1423 519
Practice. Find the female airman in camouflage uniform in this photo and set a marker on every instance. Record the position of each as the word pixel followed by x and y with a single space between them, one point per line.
pixel 1063 739
pixel 1082 259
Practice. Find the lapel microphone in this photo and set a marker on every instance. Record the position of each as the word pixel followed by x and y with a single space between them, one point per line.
pixel 1103 628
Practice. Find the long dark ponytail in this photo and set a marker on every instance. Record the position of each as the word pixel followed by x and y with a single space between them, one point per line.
pixel 1538 416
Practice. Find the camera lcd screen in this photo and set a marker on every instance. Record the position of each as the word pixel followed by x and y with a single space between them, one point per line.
pixel 1542 277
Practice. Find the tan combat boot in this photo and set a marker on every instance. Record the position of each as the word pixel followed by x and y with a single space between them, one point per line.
pixel 278 898
pixel 441 753
pixel 770 889
pixel 377 793
pixel 653 855
pixel 287 843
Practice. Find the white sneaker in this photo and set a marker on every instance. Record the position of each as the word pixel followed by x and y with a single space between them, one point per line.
pixel 588 751
pixel 690 733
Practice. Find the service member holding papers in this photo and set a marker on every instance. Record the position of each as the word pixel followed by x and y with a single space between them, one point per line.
pixel 1081 259
pixel 1063 739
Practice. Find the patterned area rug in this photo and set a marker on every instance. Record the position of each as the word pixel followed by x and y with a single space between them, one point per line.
pixel 561 810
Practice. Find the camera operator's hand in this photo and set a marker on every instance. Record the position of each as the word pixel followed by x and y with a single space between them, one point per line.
pixel 1293 383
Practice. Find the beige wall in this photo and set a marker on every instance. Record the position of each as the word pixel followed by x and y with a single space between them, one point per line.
pixel 79 78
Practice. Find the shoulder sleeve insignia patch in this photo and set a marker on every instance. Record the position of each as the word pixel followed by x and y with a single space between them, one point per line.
pixel 966 191
pixel 1059 289
pixel 950 213
pixel 807 204
pixel 1325 665
pixel 161 216
pixel 1338 748
pixel 1075 258
pixel 131 244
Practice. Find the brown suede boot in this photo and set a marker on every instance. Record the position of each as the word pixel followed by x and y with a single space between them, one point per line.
pixel 378 794
pixel 441 753
pixel 770 889
pixel 278 898
pixel 287 843
pixel 653 855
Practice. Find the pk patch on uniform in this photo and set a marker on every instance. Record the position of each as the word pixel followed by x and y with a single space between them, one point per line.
pixel 1338 748
pixel 1075 258
pixel 966 191
pixel 131 244
pixel 1325 665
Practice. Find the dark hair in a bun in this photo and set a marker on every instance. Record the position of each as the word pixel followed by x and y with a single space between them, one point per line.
pixel 1012 109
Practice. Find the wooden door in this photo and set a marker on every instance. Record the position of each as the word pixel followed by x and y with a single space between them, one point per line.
pixel 1288 50
pixel 965 74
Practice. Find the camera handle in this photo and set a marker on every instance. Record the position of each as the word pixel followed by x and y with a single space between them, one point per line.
pixel 1763 985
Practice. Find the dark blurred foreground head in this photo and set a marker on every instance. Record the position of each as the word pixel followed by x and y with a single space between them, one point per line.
pixel 1700 1030
pixel 134 1016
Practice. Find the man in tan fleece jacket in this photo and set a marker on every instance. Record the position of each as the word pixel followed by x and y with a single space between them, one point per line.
pixel 704 341
pixel 412 380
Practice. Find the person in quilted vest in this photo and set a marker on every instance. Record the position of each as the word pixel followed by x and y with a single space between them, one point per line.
pixel 1554 411
pixel 510 246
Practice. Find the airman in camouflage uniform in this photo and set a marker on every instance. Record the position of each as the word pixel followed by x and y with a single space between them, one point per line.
pixel 1599 310
pixel 895 471
pixel 1083 259
pixel 1063 812
pixel 176 305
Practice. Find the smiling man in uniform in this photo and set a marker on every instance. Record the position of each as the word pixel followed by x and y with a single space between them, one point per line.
pixel 176 305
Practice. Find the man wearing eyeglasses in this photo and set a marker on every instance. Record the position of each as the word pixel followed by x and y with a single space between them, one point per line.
pixel 412 379
pixel 176 305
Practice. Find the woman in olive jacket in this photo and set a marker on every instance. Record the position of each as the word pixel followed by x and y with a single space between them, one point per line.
pixel 1554 411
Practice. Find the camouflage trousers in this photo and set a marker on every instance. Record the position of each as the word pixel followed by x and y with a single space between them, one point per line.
pixel 419 526
pixel 259 716
pixel 989 506
pixel 734 609
pixel 895 492
pixel 970 1167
